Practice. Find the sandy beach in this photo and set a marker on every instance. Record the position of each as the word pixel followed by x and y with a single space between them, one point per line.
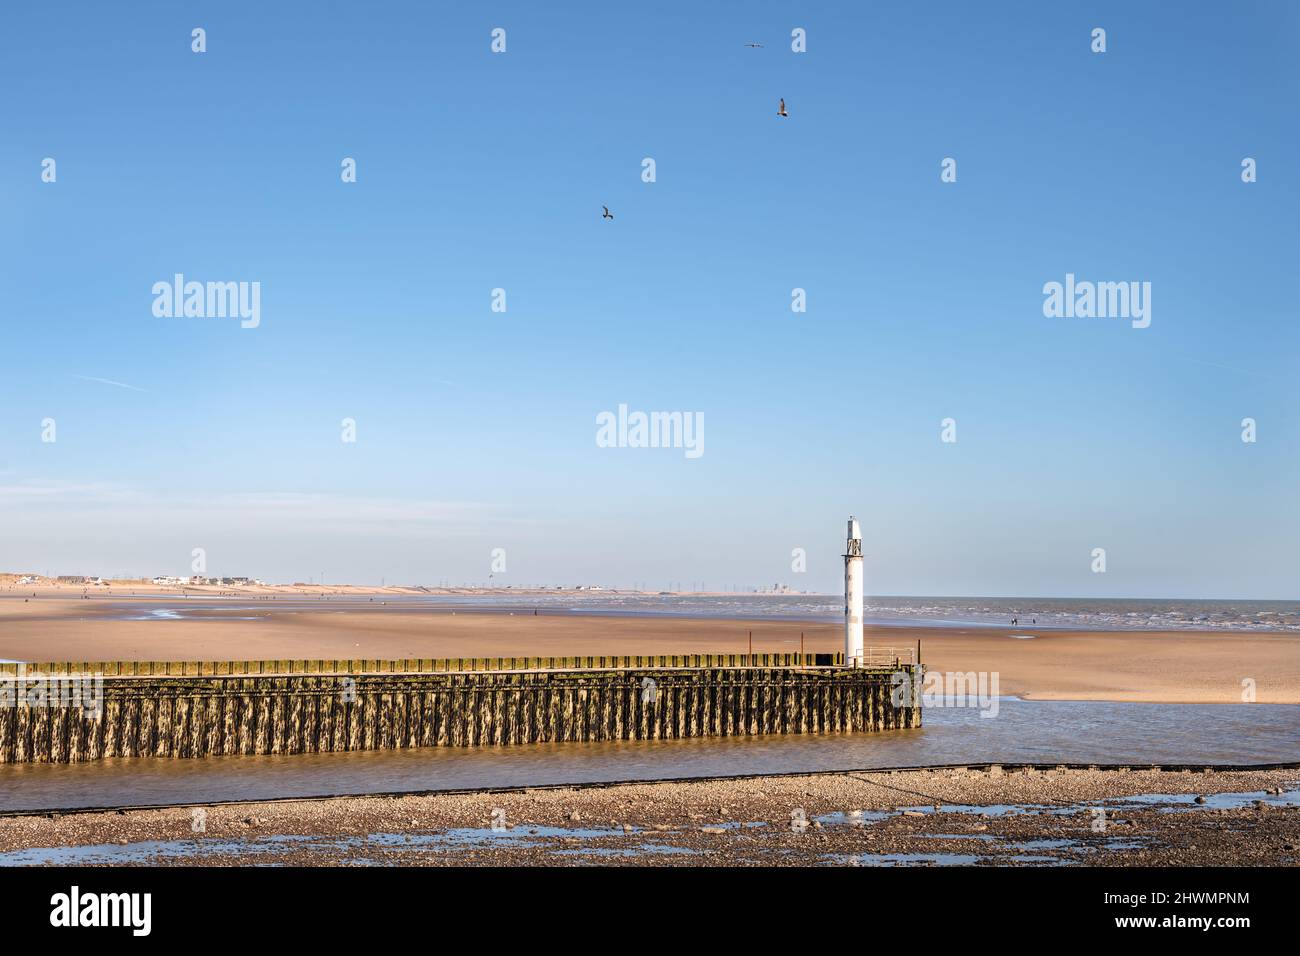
pixel 1167 667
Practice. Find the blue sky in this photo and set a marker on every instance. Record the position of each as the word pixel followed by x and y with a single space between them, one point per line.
pixel 476 430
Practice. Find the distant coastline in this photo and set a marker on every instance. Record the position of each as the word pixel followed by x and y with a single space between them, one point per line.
pixel 1086 614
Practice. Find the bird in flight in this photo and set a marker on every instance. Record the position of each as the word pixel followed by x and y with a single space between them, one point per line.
pixel 781 111
pixel 608 214
pixel 756 46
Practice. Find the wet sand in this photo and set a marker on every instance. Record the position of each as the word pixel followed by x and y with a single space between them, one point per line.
pixel 932 817
pixel 1163 667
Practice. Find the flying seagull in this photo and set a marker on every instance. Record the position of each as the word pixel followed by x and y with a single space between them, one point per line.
pixel 608 214
pixel 781 111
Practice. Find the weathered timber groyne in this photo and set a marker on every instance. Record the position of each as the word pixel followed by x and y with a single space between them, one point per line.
pixel 425 665
pixel 196 715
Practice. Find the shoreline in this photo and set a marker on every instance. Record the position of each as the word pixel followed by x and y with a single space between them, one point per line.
pixel 958 816
pixel 1177 666
pixel 9 581
pixel 993 767
pixel 479 600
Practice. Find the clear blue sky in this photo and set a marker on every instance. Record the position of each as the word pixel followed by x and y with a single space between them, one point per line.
pixel 476 430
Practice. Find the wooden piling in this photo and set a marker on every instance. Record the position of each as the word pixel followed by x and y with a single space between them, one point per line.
pixel 195 709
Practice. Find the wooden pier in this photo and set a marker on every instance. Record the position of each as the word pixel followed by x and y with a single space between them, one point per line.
pixel 199 709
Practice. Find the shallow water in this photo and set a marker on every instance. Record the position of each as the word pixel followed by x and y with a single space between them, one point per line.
pixel 1031 613
pixel 1166 802
pixel 1024 731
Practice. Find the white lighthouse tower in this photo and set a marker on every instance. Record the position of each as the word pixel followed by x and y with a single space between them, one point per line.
pixel 853 596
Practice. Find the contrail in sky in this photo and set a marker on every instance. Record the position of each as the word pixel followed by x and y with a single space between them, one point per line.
pixel 108 381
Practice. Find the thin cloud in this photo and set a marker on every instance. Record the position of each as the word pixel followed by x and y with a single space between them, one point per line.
pixel 109 381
